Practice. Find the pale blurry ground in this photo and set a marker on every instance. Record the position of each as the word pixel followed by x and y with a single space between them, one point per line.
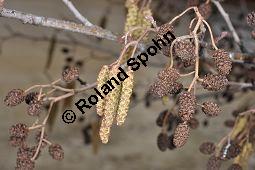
pixel 132 146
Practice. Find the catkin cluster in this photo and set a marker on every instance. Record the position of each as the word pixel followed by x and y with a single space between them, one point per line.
pixel 116 103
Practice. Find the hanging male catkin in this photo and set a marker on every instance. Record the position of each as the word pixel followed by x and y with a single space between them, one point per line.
pixel 126 92
pixel 101 79
pixel 111 106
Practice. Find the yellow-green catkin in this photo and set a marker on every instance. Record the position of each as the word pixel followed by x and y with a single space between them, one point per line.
pixel 101 80
pixel 126 92
pixel 111 106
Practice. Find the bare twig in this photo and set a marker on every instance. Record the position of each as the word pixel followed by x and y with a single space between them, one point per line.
pixel 228 21
pixel 27 18
pixel 77 14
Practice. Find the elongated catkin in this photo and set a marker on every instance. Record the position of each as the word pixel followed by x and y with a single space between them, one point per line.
pixel 101 79
pixel 111 106
pixel 126 92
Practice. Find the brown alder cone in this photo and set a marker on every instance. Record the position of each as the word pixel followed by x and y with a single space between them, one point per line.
pixel 214 82
pixel 185 50
pixel 126 92
pixel 70 74
pixel 207 148
pixel 187 105
pixel 214 163
pixel 101 80
pixel 111 106
pixel 14 97
pixel 210 108
pixel 162 141
pixel 251 19
pixel 181 134
pixel 222 61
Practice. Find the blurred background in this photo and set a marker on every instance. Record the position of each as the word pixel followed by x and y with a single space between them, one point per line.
pixel 24 52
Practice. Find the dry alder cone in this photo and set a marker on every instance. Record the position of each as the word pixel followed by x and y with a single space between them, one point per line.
pixel 187 105
pixel 214 82
pixel 56 152
pixel 111 106
pixel 70 74
pixel 205 10
pixel 126 92
pixel 222 61
pixel 19 130
pixel 14 97
pixel 26 152
pixel 35 108
pixel 232 151
pixel 214 163
pixel 185 50
pixel 251 19
pixel 235 167
pixel 162 142
pixel 165 83
pixel 31 97
pixel 163 29
pixel 207 148
pixel 181 134
pixel 101 79
pixel 25 164
pixel 211 108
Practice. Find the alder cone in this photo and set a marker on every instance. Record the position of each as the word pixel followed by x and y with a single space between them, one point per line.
pixel 251 19
pixel 222 61
pixel 181 134
pixel 169 74
pixel 25 164
pixel 35 108
pixel 70 74
pixel 19 130
pixel 214 163
pixel 56 152
pixel 30 97
pixel 187 105
pixel 233 151
pixel 211 109
pixel 207 148
pixel 162 142
pixel 14 97
pixel 235 167
pixel 205 10
pixel 185 50
pixel 214 82
pixel 163 29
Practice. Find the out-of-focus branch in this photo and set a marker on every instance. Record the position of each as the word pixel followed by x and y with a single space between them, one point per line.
pixel 228 21
pixel 77 14
pixel 27 18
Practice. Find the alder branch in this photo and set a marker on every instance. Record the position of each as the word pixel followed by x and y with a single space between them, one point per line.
pixel 77 14
pixel 228 21
pixel 27 18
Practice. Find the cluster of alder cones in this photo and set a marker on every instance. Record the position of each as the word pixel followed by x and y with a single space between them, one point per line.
pixel 19 133
pixel 167 82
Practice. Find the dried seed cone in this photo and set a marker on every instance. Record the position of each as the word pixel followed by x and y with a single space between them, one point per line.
pixel 214 163
pixel 251 19
pixel 232 151
pixel 14 97
pixel 175 88
pixel 25 164
pixel 235 167
pixel 211 108
pixel 185 50
pixel 163 29
pixel 222 61
pixel 205 10
pixel 70 74
pixel 169 74
pixel 19 130
pixel 101 79
pixel 187 105
pixel 111 106
pixel 214 82
pixel 30 97
pixel 56 152
pixel 126 92
pixel 207 148
pixel 162 142
pixel 35 108
pixel 181 134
